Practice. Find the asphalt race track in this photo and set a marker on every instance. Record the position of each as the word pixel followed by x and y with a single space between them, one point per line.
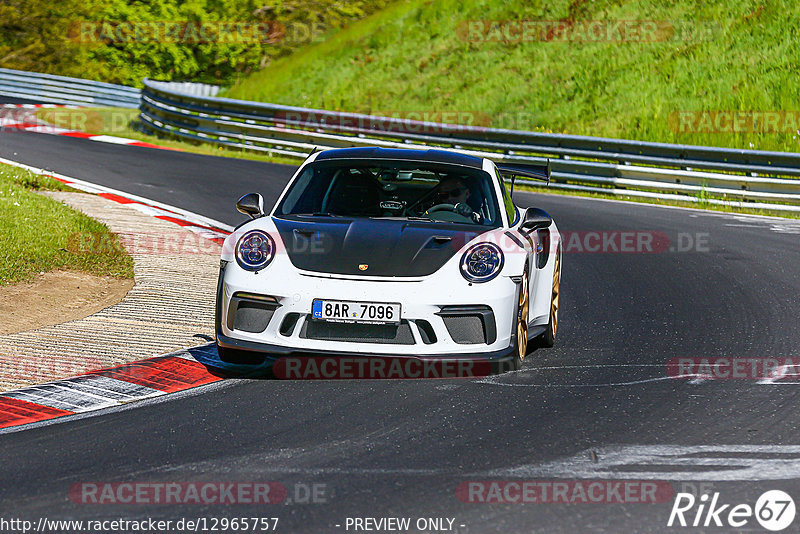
pixel 402 448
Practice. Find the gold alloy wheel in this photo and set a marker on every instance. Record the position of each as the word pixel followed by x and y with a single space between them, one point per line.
pixel 522 318
pixel 554 304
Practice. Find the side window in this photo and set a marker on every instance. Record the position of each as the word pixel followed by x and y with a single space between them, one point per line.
pixel 511 210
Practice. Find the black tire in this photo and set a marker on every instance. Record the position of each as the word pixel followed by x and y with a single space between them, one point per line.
pixel 521 329
pixel 548 338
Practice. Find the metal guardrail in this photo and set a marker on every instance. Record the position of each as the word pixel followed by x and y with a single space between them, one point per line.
pixel 192 88
pixel 51 89
pixel 747 178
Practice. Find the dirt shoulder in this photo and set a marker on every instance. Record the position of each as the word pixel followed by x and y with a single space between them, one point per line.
pixel 169 307
pixel 57 297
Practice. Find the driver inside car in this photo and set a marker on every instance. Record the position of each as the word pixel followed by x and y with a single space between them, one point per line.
pixel 454 191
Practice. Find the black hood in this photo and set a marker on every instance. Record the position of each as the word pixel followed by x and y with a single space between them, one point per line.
pixel 388 247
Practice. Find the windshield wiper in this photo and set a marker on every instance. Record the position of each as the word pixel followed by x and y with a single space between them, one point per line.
pixel 318 214
pixel 426 219
pixel 402 218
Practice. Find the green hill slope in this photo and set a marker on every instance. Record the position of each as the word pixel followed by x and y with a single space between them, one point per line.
pixel 416 57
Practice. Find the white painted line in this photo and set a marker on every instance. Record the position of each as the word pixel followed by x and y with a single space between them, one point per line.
pixel 140 403
pixel 109 388
pixel 81 400
pixel 151 210
pixel 112 139
pixel 94 188
pixel 781 373
pixel 205 232
pixel 42 397
pixel 699 380
pixel 48 129
pixel 35 106
pixel 85 399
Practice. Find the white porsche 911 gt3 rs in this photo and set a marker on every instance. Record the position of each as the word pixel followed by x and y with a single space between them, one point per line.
pixel 388 252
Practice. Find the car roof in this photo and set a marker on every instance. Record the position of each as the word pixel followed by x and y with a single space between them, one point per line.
pixel 430 155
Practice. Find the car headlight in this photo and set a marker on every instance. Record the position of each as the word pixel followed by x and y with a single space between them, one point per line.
pixel 482 262
pixel 255 250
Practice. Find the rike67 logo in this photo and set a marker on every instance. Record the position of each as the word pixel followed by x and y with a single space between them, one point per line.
pixel 774 510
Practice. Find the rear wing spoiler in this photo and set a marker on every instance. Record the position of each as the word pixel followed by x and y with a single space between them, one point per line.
pixel 537 172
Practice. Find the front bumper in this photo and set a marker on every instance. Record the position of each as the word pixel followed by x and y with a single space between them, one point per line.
pixel 431 310
pixel 482 364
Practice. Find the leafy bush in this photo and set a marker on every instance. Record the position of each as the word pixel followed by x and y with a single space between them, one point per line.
pixel 52 37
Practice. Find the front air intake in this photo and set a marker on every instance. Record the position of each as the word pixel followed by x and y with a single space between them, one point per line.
pixel 469 325
pixel 399 334
pixel 251 313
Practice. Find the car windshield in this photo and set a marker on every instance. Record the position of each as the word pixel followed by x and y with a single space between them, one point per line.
pixel 393 189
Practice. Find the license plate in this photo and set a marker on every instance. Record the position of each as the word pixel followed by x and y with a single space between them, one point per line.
pixel 356 312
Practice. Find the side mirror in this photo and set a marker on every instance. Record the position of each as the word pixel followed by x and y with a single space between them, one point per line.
pixel 251 204
pixel 535 219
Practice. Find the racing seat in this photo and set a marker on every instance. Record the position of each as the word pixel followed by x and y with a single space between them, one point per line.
pixel 354 194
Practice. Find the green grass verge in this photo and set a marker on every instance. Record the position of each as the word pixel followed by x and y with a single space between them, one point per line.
pixel 124 122
pixel 417 56
pixel 39 234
